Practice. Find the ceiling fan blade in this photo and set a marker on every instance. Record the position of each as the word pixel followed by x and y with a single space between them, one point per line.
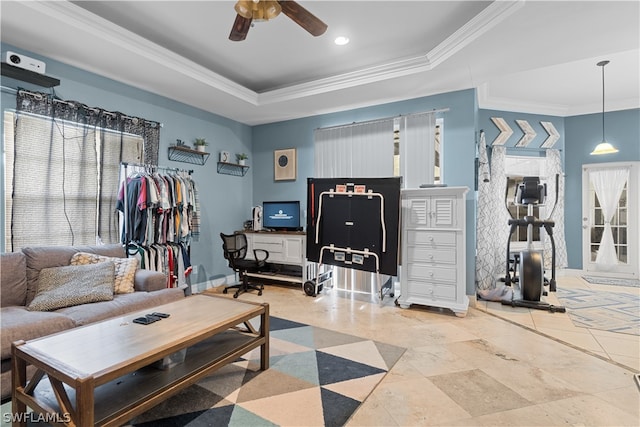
pixel 303 17
pixel 240 28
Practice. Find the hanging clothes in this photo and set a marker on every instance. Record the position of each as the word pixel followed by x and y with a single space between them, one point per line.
pixel 159 212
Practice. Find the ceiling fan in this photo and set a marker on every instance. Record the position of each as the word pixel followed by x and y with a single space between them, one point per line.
pixel 264 10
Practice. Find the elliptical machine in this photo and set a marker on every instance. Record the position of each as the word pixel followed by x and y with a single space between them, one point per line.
pixel 527 267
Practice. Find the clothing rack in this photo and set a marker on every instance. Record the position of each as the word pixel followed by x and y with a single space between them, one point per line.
pixel 126 198
pixel 153 167
pixel 170 217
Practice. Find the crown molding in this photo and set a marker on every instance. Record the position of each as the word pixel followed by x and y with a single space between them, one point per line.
pixel 488 102
pixel 96 26
pixel 124 39
pixel 491 16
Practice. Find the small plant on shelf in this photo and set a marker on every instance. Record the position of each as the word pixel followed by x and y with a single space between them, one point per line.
pixel 200 143
pixel 241 158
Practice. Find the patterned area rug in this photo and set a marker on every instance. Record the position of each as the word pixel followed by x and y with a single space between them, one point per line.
pixel 607 311
pixel 617 282
pixel 316 377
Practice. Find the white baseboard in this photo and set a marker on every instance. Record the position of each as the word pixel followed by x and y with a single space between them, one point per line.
pixel 203 286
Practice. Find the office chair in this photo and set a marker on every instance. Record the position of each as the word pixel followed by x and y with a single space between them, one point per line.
pixel 234 247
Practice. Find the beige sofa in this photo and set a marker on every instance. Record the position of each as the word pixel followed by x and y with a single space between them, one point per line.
pixel 22 318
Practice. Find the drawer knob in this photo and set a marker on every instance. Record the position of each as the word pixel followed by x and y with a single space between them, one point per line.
pixel 430 256
pixel 431 238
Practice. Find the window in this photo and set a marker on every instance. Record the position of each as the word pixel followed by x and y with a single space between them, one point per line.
pixel 619 226
pixel 61 180
pixel 437 155
pixel 408 146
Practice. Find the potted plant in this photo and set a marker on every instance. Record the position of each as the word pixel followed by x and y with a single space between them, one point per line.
pixel 200 143
pixel 241 158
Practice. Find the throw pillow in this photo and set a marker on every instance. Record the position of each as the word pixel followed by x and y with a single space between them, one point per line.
pixel 60 287
pixel 125 269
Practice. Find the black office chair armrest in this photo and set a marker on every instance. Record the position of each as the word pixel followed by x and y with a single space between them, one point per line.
pixel 234 253
pixel 255 254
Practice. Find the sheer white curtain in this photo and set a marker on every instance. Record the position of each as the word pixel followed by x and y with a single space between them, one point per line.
pixel 417 153
pixel 608 185
pixel 362 150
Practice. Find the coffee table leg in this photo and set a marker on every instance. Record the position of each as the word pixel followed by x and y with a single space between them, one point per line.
pixel 19 381
pixel 85 402
pixel 264 332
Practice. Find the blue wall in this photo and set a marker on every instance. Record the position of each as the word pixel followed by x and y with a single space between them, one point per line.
pixel 458 151
pixel 227 200
pixel 582 134
pixel 224 199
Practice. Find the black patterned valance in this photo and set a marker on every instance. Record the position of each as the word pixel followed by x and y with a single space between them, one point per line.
pixel 47 105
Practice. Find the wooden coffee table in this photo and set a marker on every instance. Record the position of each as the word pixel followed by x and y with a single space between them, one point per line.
pixel 103 373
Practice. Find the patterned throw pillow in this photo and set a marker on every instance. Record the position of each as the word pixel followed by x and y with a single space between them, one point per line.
pixel 60 287
pixel 125 269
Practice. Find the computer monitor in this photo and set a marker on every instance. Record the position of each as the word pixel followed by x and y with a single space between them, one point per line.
pixel 283 216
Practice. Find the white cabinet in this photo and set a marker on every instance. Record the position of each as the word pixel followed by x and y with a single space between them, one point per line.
pixel 283 248
pixel 434 248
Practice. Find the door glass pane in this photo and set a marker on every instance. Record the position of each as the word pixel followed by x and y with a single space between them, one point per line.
pixel 618 226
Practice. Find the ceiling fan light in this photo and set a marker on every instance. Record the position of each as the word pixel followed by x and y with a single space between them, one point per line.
pixel 604 148
pixel 266 10
pixel 271 9
pixel 244 9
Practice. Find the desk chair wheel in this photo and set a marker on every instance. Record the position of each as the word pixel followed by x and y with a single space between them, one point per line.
pixel 224 291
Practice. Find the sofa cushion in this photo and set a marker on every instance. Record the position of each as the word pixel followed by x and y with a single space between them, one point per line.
pixel 60 287
pixel 120 305
pixel 18 323
pixel 39 257
pixel 13 278
pixel 125 269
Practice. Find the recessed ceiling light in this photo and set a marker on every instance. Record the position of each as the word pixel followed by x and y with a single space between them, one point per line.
pixel 341 40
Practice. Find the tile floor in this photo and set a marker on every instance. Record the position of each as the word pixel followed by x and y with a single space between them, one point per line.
pixel 499 365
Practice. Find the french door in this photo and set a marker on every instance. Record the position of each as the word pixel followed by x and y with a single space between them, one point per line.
pixel 610 223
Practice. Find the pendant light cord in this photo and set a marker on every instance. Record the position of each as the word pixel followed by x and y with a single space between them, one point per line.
pixel 603 101
pixel 602 64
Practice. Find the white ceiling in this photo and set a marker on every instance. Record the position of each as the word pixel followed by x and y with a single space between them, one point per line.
pixel 527 56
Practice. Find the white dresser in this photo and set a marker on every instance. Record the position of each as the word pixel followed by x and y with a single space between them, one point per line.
pixel 289 248
pixel 433 253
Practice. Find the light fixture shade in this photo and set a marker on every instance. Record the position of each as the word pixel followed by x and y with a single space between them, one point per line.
pixel 604 148
pixel 265 10
pixel 243 8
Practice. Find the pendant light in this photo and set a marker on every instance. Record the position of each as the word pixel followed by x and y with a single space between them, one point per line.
pixel 604 147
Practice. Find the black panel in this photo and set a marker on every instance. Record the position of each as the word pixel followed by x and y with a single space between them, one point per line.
pixel 28 76
pixel 354 221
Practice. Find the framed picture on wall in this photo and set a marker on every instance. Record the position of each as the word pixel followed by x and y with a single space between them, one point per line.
pixel 285 165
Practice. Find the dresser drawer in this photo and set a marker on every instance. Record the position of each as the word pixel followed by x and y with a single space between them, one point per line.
pixel 428 255
pixel 435 291
pixel 433 238
pixel 430 273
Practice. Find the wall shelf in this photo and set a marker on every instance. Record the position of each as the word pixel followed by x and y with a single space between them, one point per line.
pixel 18 73
pixel 232 169
pixel 188 155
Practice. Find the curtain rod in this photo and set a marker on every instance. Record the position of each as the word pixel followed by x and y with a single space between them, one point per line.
pixel 38 96
pixel 367 122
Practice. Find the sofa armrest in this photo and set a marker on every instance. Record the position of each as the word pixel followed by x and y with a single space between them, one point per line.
pixel 149 280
